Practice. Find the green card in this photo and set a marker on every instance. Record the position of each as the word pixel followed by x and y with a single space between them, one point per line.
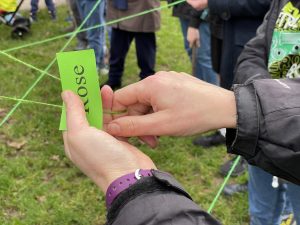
pixel 78 73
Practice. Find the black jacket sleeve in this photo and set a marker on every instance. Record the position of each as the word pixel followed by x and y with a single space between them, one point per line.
pixel 157 200
pixel 268 126
pixel 238 8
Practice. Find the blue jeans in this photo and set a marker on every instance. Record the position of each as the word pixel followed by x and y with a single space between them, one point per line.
pixel 35 6
pixel 267 204
pixel 96 37
pixel 204 70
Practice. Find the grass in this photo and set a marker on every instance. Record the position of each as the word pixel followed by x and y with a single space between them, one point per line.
pixel 39 185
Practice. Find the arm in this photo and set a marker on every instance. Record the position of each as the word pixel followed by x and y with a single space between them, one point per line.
pixel 151 200
pixel 266 114
pixel 239 8
pixel 233 8
pixel 268 126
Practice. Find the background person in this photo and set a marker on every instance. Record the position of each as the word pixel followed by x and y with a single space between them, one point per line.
pixel 142 29
pixel 35 7
pixel 95 37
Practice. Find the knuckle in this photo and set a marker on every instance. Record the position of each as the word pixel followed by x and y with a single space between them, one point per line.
pixel 131 127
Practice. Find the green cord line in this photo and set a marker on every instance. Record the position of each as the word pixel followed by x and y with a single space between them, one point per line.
pixel 28 65
pixel 94 27
pixel 29 101
pixel 234 165
pixel 48 67
pixel 53 105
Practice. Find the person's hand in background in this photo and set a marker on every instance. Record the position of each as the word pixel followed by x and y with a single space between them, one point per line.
pixel 193 37
pixel 198 4
pixel 99 155
pixel 170 103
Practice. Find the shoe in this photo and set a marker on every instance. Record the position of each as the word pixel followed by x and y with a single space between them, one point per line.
pixel 103 70
pixel 231 189
pixel 113 86
pixel 33 18
pixel 288 220
pixel 81 46
pixel 239 169
pixel 52 15
pixel 68 29
pixel 210 141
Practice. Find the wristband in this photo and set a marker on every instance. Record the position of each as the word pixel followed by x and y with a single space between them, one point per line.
pixel 124 182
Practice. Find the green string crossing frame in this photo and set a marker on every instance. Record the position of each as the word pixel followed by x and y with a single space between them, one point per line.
pixel 45 72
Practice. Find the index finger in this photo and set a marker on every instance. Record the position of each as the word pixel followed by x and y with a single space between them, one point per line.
pixel 130 95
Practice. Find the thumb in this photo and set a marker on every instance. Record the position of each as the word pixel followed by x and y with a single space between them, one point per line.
pixel 76 118
pixel 154 124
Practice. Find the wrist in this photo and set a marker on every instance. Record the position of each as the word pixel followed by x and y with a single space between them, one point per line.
pixel 230 118
pixel 123 182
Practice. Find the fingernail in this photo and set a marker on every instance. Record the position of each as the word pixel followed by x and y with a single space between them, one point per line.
pixel 113 128
pixel 65 96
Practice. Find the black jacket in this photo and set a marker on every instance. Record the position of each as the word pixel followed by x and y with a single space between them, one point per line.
pixel 271 138
pixel 241 18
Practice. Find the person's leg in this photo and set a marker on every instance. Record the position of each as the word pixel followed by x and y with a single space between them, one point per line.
pixel 34 9
pixel 81 37
pixel 51 8
pixel 204 69
pixel 293 194
pixel 120 43
pixel 265 202
pixel 95 36
pixel 146 53
pixel 184 27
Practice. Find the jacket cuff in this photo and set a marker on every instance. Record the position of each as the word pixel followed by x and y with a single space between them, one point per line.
pixel 243 140
pixel 220 8
pixel 160 181
pixel 195 23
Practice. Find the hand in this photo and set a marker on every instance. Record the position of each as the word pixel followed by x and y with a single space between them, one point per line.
pixel 193 37
pixel 198 4
pixel 99 155
pixel 170 103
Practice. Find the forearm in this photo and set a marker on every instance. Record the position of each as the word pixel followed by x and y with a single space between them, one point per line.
pixel 239 8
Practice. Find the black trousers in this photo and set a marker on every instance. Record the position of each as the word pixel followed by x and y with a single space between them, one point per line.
pixel 145 52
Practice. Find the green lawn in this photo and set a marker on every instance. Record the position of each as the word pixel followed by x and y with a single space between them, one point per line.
pixel 39 185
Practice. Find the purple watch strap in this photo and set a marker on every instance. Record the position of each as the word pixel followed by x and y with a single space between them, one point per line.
pixel 122 183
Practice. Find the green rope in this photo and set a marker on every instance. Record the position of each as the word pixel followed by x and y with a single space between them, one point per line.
pixel 28 65
pixel 234 165
pixel 53 105
pixel 29 101
pixel 94 27
pixel 49 66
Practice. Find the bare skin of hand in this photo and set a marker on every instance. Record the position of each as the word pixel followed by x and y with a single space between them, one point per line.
pixel 193 37
pixel 97 154
pixel 198 4
pixel 174 104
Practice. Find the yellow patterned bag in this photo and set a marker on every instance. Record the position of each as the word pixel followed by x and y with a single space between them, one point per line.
pixel 8 5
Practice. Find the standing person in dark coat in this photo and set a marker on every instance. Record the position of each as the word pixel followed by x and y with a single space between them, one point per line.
pixel 196 33
pixel 141 28
pixel 237 22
